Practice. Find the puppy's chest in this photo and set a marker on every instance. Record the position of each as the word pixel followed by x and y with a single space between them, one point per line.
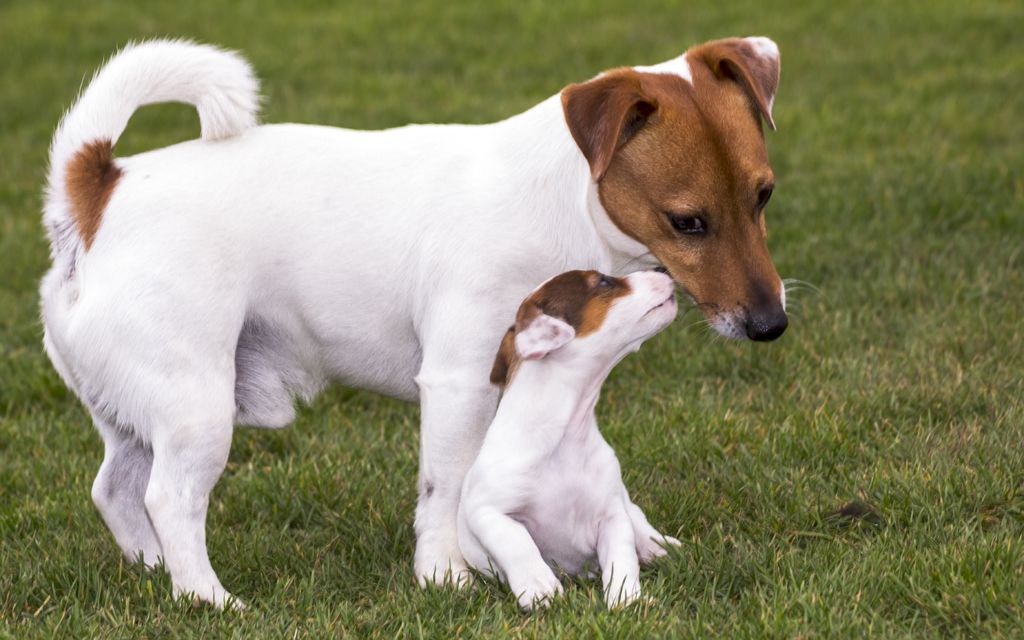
pixel 574 491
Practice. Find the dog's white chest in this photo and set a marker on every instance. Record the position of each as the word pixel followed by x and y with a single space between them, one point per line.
pixel 573 492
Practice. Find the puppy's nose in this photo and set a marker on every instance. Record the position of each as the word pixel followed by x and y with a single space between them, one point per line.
pixel 765 326
pixel 661 269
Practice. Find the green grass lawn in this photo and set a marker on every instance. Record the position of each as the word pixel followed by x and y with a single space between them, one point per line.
pixel 898 157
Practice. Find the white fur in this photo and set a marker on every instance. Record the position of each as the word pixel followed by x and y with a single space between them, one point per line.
pixel 546 489
pixel 232 273
pixel 676 66
pixel 765 48
pixel 220 84
pixel 728 325
pixel 543 335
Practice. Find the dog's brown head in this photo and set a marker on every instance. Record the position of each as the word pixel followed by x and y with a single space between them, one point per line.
pixel 679 156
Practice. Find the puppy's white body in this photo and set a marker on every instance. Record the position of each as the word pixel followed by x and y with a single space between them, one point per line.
pixel 546 489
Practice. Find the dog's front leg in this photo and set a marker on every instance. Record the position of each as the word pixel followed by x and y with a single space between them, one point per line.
pixel 509 545
pixel 456 407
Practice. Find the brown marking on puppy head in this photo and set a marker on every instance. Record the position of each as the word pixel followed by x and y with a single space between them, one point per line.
pixel 581 299
pixel 506 361
pixel 687 174
pixel 90 178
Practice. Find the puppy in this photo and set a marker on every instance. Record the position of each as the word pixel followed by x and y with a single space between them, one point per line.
pixel 546 490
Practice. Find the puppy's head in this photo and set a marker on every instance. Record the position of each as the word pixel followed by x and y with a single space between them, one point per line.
pixel 678 155
pixel 586 313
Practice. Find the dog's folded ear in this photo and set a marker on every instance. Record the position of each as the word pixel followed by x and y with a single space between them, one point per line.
pixel 537 338
pixel 541 336
pixel 604 113
pixel 751 62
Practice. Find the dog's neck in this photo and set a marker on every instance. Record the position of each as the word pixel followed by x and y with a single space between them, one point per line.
pixel 554 193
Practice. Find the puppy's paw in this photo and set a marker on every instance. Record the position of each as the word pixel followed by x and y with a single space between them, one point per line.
pixel 215 595
pixel 539 592
pixel 655 547
pixel 623 597
pixel 231 603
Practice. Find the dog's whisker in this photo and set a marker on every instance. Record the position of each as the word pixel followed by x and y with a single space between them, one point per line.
pixel 801 287
pixel 795 284
pixel 696 323
pixel 637 260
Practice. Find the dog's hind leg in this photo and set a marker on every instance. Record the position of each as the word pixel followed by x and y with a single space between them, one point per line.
pixel 119 491
pixel 189 456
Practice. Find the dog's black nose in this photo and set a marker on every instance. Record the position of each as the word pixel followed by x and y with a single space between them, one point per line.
pixel 765 327
pixel 661 269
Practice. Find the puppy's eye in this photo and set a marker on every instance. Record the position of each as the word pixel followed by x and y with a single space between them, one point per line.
pixel 688 225
pixel 763 196
pixel 604 283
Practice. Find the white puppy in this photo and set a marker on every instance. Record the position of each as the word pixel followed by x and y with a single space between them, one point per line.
pixel 546 488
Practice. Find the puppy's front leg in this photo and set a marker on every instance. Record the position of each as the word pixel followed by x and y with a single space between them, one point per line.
pixel 620 568
pixel 509 544
pixel 456 409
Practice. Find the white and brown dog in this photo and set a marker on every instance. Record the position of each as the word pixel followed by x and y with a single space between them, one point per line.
pixel 546 490
pixel 207 284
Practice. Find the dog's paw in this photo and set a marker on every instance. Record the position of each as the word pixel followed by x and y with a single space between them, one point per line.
pixel 216 596
pixel 538 592
pixel 458 577
pixel 655 547
pixel 623 597
pixel 442 570
pixel 231 603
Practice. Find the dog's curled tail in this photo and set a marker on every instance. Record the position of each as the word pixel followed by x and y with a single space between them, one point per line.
pixel 220 84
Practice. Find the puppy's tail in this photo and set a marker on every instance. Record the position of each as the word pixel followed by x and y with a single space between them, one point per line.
pixel 220 84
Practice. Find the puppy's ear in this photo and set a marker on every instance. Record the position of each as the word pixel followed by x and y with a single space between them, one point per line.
pixel 751 62
pixel 604 113
pixel 541 336
pixel 506 360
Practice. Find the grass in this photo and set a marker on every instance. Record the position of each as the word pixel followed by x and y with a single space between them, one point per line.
pixel 897 388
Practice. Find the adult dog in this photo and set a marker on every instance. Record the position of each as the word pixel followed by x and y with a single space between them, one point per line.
pixel 206 284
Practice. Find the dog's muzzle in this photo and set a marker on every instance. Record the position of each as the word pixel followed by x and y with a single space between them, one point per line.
pixel 767 325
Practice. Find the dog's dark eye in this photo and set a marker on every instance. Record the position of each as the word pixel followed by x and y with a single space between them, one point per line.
pixel 763 196
pixel 604 282
pixel 688 225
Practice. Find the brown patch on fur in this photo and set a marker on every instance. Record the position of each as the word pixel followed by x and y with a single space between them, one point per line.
pixel 506 361
pixel 603 114
pixel 575 297
pixel 737 60
pixel 90 179
pixel 701 152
